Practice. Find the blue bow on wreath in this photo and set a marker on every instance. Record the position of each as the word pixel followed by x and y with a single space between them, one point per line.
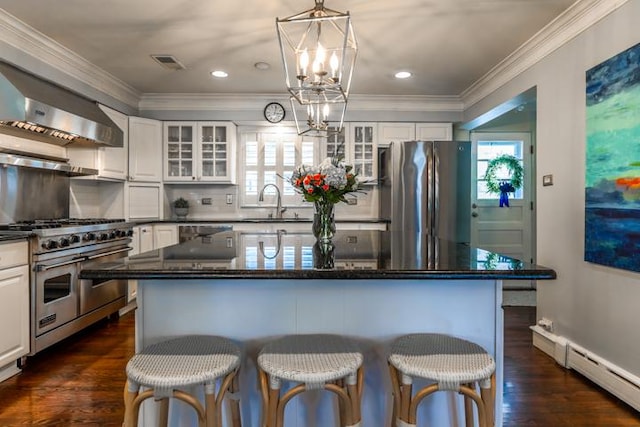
pixel 505 189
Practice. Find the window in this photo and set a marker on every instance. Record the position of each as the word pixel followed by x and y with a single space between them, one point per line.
pixel 489 150
pixel 268 156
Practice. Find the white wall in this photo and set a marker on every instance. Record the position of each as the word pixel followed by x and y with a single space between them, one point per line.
pixel 594 306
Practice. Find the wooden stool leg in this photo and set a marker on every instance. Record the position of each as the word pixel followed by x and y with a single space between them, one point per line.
pixel 130 418
pixel 488 397
pixel 468 410
pixel 272 410
pixel 163 418
pixel 234 403
pixel 210 410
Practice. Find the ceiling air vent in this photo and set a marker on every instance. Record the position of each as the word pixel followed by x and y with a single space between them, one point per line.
pixel 168 61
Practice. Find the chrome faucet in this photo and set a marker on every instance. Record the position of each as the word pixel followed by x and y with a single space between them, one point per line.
pixel 279 209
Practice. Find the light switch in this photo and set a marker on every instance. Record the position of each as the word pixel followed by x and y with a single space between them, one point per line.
pixel 547 180
pixel 229 199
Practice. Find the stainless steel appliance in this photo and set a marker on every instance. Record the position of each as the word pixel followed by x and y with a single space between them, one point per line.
pixel 32 106
pixel 61 303
pixel 425 191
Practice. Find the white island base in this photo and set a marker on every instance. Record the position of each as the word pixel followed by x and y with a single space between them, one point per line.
pixel 253 311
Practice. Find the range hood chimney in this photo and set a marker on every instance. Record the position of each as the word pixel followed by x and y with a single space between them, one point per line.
pixel 30 104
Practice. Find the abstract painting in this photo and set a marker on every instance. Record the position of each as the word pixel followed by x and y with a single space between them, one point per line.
pixel 612 193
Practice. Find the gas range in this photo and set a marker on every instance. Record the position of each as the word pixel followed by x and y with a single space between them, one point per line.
pixel 61 302
pixel 68 233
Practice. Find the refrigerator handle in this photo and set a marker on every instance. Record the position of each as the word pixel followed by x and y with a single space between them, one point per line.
pixel 434 189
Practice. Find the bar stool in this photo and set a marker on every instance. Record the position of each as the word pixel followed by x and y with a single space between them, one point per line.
pixel 182 362
pixel 453 364
pixel 316 361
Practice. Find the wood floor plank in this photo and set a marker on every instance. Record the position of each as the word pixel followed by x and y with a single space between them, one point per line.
pixel 79 382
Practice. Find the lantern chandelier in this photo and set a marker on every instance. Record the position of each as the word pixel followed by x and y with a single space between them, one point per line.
pixel 321 119
pixel 318 49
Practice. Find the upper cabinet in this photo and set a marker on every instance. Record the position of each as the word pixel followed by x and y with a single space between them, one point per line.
pixel 199 152
pixel 357 144
pixel 145 150
pixel 399 131
pixel 111 162
pixel 363 148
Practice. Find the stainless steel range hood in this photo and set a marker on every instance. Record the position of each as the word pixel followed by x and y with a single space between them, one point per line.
pixel 30 104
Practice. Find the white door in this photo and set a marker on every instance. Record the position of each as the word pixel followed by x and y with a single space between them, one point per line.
pixel 505 230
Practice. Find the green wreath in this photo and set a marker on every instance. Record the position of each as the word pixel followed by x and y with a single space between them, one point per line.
pixel 514 167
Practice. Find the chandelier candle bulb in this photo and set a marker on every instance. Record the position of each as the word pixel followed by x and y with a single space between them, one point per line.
pixel 304 63
pixel 334 66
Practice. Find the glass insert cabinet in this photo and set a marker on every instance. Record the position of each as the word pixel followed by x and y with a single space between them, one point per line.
pixel 199 151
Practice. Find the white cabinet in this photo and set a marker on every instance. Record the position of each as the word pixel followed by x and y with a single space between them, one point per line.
pixel 164 235
pixel 111 162
pixel 363 149
pixel 145 150
pixel 144 201
pixel 357 145
pixel 434 131
pixel 14 306
pixel 199 152
pixel 399 131
pixel 395 132
pixel 146 238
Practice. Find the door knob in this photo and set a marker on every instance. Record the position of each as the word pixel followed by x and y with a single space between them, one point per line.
pixel 474 214
pixel 474 206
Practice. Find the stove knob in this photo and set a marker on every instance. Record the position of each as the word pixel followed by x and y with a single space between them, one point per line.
pixel 49 244
pixel 63 242
pixel 129 233
pixel 120 233
pixel 112 235
pixel 103 236
pixel 74 238
pixel 89 237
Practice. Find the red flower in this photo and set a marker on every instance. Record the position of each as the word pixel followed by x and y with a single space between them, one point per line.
pixel 325 187
pixel 307 180
pixel 310 190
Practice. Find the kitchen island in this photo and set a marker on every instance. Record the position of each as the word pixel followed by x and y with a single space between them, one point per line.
pixel 371 285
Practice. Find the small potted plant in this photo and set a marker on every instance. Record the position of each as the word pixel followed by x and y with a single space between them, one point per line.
pixel 181 207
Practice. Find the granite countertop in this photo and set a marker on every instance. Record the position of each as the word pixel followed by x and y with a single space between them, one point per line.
pixel 13 237
pixel 353 255
pixel 257 220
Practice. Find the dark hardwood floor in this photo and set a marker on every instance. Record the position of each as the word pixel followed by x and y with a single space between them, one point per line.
pixel 79 382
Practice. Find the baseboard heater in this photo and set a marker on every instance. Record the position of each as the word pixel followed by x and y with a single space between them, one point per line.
pixel 612 378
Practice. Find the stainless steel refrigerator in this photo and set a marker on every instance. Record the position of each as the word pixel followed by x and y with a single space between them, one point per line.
pixel 425 193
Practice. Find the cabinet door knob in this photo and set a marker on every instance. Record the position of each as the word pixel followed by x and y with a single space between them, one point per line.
pixel 474 214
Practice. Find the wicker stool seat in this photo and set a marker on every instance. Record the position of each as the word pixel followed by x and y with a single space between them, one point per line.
pixel 452 364
pixel 317 361
pixel 187 361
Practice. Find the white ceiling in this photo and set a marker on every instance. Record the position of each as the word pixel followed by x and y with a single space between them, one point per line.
pixel 446 44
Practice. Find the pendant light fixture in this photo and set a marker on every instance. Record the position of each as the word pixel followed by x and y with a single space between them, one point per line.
pixel 318 49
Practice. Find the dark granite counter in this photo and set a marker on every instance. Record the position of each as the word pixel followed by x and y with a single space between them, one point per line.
pixel 13 237
pixel 353 255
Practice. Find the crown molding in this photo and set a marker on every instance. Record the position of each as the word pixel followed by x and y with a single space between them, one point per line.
pixel 577 18
pixel 243 102
pixel 31 42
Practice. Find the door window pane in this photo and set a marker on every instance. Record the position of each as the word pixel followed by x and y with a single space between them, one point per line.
pixel 489 150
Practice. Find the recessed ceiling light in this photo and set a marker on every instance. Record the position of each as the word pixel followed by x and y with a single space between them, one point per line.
pixel 402 75
pixel 262 65
pixel 219 74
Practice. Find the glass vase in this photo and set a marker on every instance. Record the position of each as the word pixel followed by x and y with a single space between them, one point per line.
pixel 324 225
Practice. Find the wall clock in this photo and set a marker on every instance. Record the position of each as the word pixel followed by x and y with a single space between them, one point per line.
pixel 274 112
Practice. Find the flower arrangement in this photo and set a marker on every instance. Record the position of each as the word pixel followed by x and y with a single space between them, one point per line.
pixel 327 182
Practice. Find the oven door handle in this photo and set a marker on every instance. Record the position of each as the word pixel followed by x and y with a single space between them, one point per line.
pixel 43 267
pixel 108 253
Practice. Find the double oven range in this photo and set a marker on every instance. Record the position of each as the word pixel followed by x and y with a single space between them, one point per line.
pixel 61 302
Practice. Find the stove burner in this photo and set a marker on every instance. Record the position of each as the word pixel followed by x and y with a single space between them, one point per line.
pixel 39 224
